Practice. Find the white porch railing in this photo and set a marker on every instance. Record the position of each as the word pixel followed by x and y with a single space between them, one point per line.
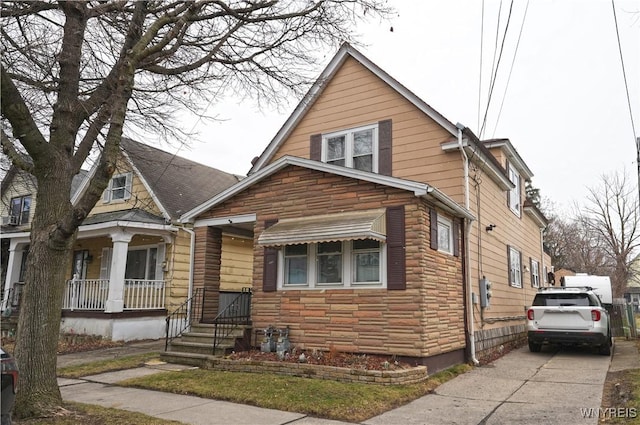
pixel 85 294
pixel 92 294
pixel 143 294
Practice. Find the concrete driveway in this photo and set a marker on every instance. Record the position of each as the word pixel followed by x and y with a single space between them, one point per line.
pixel 520 388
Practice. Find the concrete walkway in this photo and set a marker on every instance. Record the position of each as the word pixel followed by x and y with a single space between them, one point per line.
pixel 521 387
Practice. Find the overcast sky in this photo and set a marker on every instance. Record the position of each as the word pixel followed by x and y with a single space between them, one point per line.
pixel 565 107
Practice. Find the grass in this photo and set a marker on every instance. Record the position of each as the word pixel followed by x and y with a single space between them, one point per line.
pixel 86 414
pixel 622 393
pixel 94 368
pixel 352 402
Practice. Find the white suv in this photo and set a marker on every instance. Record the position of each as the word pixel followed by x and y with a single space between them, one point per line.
pixel 568 316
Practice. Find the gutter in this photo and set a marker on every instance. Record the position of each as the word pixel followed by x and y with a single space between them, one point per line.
pixel 467 253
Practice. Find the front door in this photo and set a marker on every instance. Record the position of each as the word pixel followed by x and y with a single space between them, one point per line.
pixel 80 263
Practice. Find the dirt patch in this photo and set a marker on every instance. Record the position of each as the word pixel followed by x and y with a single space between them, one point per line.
pixel 327 358
pixel 70 343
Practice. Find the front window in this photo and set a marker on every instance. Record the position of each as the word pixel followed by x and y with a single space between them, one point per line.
pixel 20 210
pixel 515 268
pixel 329 263
pixel 295 265
pixel 355 148
pixel 514 194
pixel 332 264
pixel 141 264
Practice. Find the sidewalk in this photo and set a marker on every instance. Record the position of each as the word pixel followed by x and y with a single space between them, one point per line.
pixel 521 387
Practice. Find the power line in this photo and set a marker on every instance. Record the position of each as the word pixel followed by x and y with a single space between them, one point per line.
pixel 504 96
pixel 636 139
pixel 481 53
pixel 495 74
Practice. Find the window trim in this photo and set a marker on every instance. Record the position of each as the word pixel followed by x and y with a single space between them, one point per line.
pixel 348 270
pixel 108 192
pixel 20 216
pixel 348 133
pixel 535 273
pixel 449 223
pixel 515 273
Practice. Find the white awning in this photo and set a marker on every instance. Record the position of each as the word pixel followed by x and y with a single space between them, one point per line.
pixel 369 224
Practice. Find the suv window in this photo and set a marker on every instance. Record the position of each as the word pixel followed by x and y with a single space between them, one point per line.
pixel 555 300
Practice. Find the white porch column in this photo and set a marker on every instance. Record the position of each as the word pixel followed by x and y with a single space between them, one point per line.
pixel 13 269
pixel 115 300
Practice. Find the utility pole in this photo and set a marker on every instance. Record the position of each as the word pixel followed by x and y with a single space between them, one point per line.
pixel 638 164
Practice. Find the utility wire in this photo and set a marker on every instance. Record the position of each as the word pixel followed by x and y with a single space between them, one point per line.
pixel 506 29
pixel 481 53
pixel 636 139
pixel 504 96
pixel 624 74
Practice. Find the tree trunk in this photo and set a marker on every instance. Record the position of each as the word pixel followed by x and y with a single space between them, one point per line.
pixel 48 266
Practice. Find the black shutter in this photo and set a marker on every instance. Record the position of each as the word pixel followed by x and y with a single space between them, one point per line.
pixel 509 265
pixel 396 262
pixel 316 147
pixel 433 219
pixel 384 147
pixel 456 237
pixel 270 269
pixel 531 270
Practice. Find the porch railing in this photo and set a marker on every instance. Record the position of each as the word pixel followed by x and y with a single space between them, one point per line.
pixel 85 294
pixel 143 294
pixel 92 294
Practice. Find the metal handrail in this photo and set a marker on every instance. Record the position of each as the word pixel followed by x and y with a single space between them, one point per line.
pixel 180 319
pixel 234 315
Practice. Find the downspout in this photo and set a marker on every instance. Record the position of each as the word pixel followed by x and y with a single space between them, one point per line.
pixel 542 278
pixel 467 229
pixel 192 248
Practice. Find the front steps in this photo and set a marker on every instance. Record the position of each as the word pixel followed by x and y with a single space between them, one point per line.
pixel 197 344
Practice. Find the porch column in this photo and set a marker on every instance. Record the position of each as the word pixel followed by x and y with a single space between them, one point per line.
pixel 115 299
pixel 13 270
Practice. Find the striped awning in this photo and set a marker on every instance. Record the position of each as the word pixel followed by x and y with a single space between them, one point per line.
pixel 368 224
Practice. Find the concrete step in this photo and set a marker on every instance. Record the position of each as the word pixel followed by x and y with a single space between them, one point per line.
pixel 191 359
pixel 177 345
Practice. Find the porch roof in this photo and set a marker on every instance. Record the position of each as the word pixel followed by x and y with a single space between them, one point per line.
pixel 137 215
pixel 369 224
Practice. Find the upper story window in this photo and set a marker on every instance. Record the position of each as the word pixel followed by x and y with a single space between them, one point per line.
pixel 119 188
pixel 332 264
pixel 19 210
pixel 514 194
pixel 355 148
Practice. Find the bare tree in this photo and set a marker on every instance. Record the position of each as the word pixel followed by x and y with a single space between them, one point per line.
pixel 573 245
pixel 613 213
pixel 75 74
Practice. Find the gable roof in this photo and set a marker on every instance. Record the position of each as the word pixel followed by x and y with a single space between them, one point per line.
pixel 346 51
pixel 419 189
pixel 176 184
pixel 512 154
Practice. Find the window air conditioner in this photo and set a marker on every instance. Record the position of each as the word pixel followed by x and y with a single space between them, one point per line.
pixel 10 220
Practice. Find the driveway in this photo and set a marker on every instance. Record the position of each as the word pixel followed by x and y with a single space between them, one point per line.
pixel 550 387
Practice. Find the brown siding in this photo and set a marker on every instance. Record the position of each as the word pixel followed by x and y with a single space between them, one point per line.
pixel 356 97
pixel 425 319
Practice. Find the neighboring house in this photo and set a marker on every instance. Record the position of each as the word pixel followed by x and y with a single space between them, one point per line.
pixel 632 292
pixel 131 260
pixel 376 226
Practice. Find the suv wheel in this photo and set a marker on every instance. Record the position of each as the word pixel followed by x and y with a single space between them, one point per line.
pixel 534 347
pixel 605 349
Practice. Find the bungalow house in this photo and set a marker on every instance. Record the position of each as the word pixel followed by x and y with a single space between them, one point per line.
pixel 131 260
pixel 378 226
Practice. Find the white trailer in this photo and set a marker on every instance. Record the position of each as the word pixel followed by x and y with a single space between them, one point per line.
pixel 601 285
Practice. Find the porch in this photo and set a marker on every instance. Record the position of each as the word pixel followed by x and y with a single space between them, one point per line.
pixel 93 294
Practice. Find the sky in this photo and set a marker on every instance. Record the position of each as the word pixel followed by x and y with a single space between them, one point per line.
pixel 559 93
